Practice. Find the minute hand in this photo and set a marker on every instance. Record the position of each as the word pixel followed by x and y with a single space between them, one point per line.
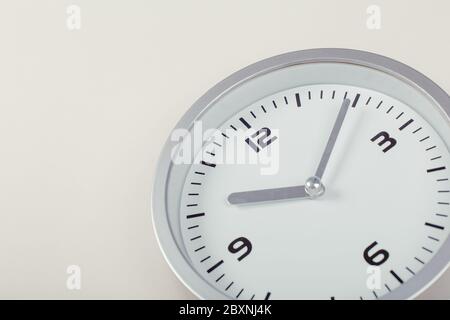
pixel 332 139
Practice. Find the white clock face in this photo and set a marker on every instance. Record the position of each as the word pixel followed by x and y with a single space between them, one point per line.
pixel 314 249
pixel 378 216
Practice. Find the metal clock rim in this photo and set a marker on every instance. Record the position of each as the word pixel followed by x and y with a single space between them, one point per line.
pixel 430 272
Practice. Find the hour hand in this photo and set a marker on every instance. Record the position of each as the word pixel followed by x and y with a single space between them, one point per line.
pixel 268 195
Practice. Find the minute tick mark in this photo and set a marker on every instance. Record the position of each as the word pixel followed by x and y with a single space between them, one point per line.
pixel 219 278
pixel 399 116
pixel 427 250
pixel 274 104
pixel 379 105
pixel 412 272
pixel 204 259
pixel 198 249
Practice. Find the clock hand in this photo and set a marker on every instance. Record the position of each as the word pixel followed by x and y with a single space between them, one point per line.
pixel 332 139
pixel 313 188
pixel 268 195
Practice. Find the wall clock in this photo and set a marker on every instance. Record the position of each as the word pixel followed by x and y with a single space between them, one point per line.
pixel 348 197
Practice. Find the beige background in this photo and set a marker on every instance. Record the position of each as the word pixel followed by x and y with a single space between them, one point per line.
pixel 84 114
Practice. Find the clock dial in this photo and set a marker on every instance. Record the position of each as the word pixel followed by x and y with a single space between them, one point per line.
pixel 385 204
pixel 319 174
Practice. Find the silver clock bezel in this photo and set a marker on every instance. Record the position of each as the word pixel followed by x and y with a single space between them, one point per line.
pixel 164 233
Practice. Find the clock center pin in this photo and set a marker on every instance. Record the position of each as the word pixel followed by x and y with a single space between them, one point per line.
pixel 314 187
